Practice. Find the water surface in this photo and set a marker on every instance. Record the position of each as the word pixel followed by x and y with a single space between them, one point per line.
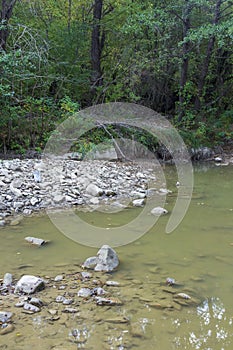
pixel 198 254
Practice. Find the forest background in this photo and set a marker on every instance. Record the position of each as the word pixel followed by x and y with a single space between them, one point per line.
pixel 60 56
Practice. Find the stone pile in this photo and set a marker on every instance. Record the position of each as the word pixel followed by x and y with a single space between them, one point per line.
pixel 31 185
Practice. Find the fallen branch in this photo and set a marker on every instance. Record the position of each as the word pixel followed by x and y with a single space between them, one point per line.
pixel 120 155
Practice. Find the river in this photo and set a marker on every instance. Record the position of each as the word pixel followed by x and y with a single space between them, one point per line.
pixel 198 255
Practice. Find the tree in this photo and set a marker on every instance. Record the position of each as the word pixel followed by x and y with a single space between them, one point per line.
pixel 5 15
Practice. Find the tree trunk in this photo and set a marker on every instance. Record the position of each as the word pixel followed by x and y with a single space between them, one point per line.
pixel 97 44
pixel 5 14
pixel 69 15
pixel 185 58
pixel 205 65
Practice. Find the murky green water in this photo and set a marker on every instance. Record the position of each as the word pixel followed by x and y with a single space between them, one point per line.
pixel 198 254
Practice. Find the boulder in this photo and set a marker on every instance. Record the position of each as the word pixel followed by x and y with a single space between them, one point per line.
pixel 94 190
pixel 158 211
pixel 107 259
pixel 29 284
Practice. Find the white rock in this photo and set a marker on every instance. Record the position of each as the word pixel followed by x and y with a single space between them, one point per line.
pixel 94 200
pixel 84 292
pixel 90 263
pixel 29 284
pixel 107 259
pixel 94 190
pixel 58 278
pixel 15 191
pixel 33 201
pixel 218 159
pixel 5 316
pixel 35 241
pixel 138 202
pixel 30 307
pixel 7 280
pixel 164 191
pixel 27 211
pixel 112 283
pixel 159 211
pixel 58 198
pixel 138 195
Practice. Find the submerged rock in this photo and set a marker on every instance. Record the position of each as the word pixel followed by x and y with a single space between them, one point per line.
pixel 159 211
pixel 29 284
pixel 108 301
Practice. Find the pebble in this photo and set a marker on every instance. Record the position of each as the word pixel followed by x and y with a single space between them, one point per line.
pixel 183 296
pixel 31 308
pixel 108 301
pixel 60 299
pixel 86 275
pixel 58 278
pixel 112 283
pixel 70 310
pixel 67 301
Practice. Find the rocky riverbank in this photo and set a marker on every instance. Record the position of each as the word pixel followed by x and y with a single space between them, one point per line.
pixel 31 185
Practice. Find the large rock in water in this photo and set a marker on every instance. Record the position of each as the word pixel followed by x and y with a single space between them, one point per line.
pixel 29 284
pixel 107 259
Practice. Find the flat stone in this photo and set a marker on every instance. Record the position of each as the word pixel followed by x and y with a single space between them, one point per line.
pixel 139 202
pixel 35 241
pixel 31 307
pixel 5 316
pixel 108 301
pixel 7 329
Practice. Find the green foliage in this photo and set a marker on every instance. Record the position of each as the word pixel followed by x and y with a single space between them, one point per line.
pixel 45 71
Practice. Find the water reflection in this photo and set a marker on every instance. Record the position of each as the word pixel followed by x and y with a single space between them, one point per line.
pixel 212 333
